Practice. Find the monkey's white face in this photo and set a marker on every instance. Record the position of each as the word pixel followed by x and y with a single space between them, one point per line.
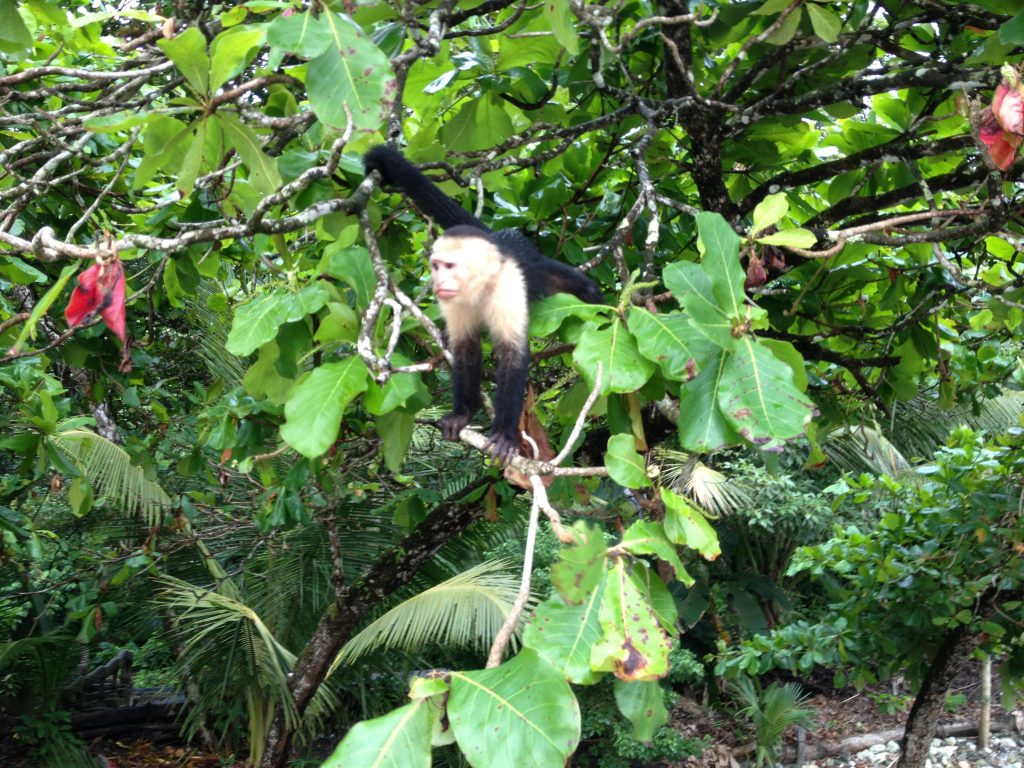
pixel 476 287
pixel 463 267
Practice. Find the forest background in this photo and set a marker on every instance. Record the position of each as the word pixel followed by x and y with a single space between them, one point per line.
pixel 806 220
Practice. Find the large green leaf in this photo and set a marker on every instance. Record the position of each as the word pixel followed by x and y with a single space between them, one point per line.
pixel 694 291
pixel 478 125
pixel 685 525
pixel 647 537
pixel 758 397
pixel 563 635
pixel 257 322
pixel 720 249
pixel 232 50
pixel 633 644
pixel 188 52
pixel 302 34
pixel 262 168
pixel 672 341
pixel 352 72
pixel 14 35
pixel 625 465
pixel 702 425
pixel 316 403
pixel 643 704
pixel 623 368
pixel 580 567
pixel 519 715
pixel 399 739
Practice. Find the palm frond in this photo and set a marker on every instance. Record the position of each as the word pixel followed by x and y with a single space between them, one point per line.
pixel 716 493
pixel 236 651
pixel 109 468
pixel 467 610
pixel 211 342
pixel 922 425
pixel 864 449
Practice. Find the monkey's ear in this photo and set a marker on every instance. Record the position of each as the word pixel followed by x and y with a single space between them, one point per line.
pixel 540 448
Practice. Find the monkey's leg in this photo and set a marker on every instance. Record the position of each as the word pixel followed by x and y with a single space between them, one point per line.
pixel 513 372
pixel 466 372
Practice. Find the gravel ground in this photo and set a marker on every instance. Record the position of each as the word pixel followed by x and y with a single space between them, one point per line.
pixel 1003 752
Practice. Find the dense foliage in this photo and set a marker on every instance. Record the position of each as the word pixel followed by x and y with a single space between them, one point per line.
pixel 804 216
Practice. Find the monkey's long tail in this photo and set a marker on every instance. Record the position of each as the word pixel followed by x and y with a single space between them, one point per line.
pixel 396 170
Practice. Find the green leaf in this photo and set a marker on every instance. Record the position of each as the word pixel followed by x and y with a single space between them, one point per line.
pixel 395 430
pixel 772 7
pixel 633 646
pixel 14 35
pixel 787 31
pixel 720 248
pixel 647 537
pixel 20 272
pixel 257 322
pixel 685 525
pixel 188 52
pixel 316 404
pixel 547 316
pixel 623 368
pixel 80 496
pixel 670 340
pixel 563 635
pixel 394 393
pixel 826 24
pixel 693 289
pixel 478 125
pixel 560 21
pixel 580 567
pixel 520 714
pixel 263 173
pixel 758 398
pixel 351 264
pixel 42 307
pixel 301 34
pixel 118 121
pixel 399 739
pixel 1012 31
pixel 232 50
pixel 353 72
pixel 770 211
pixel 643 704
pixel 793 238
pixel 702 425
pixel 626 466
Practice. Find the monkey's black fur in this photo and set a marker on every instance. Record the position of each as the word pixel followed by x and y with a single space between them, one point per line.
pixel 541 276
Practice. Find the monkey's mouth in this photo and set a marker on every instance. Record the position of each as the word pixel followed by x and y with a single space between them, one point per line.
pixel 445 293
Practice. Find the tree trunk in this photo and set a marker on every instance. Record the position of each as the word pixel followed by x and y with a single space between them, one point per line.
pixel 391 571
pixel 952 655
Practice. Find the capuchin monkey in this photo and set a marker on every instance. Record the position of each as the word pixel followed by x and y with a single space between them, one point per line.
pixel 482 279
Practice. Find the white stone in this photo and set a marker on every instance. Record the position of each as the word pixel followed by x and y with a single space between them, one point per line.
pixel 892 746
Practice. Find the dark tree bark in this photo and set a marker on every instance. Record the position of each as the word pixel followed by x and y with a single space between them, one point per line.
pixel 392 570
pixel 705 122
pixel 953 653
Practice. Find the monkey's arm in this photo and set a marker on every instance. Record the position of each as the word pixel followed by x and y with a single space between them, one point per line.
pixel 394 169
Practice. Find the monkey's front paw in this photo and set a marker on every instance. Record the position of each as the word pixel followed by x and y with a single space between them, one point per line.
pixel 503 448
pixel 452 423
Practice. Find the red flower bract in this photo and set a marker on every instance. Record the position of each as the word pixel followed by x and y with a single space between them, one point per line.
pixel 1008 108
pixel 100 290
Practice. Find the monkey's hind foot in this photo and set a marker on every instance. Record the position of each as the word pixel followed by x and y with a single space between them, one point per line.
pixel 452 423
pixel 503 448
